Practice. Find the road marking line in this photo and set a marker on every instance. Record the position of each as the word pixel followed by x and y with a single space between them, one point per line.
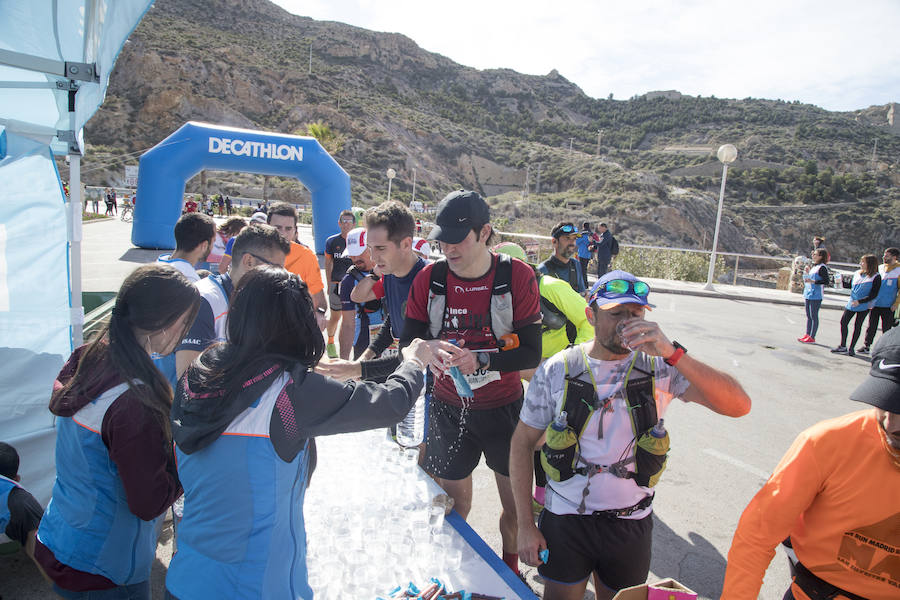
pixel 737 463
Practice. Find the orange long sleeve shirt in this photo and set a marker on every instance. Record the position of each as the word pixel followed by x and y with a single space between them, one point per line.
pixel 837 494
pixel 303 262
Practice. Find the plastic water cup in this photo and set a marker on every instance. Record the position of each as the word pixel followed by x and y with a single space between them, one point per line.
pixel 435 517
pixel 410 459
pixel 452 559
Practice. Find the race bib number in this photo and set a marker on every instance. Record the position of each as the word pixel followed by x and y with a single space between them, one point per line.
pixel 481 378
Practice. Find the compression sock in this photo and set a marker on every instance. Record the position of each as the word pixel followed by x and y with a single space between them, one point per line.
pixel 512 561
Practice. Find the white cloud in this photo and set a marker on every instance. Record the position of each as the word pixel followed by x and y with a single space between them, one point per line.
pixel 832 53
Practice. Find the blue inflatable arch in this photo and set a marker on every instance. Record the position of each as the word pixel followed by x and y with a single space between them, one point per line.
pixel 165 168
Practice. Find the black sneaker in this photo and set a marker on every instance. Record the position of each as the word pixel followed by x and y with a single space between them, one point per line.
pixel 839 350
pixel 864 349
pixel 851 352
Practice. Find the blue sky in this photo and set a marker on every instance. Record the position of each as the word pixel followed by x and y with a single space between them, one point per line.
pixel 835 54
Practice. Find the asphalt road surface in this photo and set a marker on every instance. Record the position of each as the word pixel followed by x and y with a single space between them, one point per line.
pixel 716 463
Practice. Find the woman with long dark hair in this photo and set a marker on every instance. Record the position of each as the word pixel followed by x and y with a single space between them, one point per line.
pixel 115 468
pixel 814 279
pixel 864 289
pixel 244 419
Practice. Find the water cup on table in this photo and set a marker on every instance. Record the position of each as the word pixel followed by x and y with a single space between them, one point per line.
pixel 436 517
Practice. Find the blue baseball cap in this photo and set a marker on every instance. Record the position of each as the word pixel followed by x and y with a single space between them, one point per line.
pixel 619 287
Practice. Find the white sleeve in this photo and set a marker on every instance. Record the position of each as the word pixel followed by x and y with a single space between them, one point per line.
pixel 539 407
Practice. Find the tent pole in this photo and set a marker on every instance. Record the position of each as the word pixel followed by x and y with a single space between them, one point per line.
pixel 75 248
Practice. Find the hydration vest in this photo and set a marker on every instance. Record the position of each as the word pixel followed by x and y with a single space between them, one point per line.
pixel 561 454
pixel 213 292
pixel 501 298
pixel 552 317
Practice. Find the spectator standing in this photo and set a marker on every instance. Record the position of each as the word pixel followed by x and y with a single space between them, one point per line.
pixel 887 300
pixel 604 249
pixel 597 517
pixel 190 205
pixel 584 244
pixel 561 264
pixel 864 289
pixel 112 201
pixel 336 265
pixel 483 302
pixel 115 470
pixel 228 205
pixel 221 203
pixel 814 279
pixel 834 494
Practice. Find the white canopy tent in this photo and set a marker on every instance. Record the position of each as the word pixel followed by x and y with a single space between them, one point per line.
pixel 55 60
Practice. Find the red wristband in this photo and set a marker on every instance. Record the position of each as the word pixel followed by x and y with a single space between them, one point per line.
pixel 676 356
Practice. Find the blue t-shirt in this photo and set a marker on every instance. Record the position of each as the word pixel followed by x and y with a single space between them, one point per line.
pixel 369 316
pixel 583 244
pixel 396 293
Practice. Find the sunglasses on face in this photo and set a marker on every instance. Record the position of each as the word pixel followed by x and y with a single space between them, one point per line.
pixel 622 287
pixel 261 259
pixel 351 221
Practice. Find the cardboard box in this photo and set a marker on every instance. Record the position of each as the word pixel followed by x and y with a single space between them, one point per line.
pixel 667 589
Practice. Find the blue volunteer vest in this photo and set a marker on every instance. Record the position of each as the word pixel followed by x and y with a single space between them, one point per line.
pixel 862 286
pixel 6 486
pixel 88 525
pixel 243 534
pixel 887 293
pixel 812 290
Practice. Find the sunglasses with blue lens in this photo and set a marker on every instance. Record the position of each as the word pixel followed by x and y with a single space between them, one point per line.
pixel 565 229
pixel 620 287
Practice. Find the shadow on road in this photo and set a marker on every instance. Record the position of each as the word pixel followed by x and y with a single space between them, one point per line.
pixel 140 255
pixel 694 562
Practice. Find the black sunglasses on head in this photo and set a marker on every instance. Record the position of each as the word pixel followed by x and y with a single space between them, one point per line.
pixel 261 259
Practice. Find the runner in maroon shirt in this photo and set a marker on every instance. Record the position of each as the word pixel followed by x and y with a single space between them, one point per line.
pixel 460 430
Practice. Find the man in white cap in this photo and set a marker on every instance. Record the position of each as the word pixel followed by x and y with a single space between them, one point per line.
pixel 836 496
pixel 421 247
pixel 600 404
pixel 360 322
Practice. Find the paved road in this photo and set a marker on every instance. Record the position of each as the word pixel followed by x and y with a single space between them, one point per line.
pixel 716 463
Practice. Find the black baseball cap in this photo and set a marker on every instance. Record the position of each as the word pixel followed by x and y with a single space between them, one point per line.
pixel 882 387
pixel 459 213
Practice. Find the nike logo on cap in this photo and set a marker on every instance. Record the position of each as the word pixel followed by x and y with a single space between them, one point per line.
pixel 884 365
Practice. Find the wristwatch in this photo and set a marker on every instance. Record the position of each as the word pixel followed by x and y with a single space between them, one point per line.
pixel 484 360
pixel 676 356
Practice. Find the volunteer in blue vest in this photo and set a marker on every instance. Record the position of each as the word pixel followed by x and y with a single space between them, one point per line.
pixel 115 469
pixel 814 279
pixel 389 237
pixel 489 306
pixel 885 306
pixel 194 237
pixel 255 245
pixel 597 512
pixel 561 264
pixel 244 427
pixel 20 513
pixel 864 290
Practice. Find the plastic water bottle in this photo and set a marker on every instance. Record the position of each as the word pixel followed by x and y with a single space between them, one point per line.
pixel 411 430
pixel 560 423
pixel 659 430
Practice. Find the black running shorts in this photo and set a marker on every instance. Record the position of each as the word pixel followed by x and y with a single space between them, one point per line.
pixel 455 441
pixel 618 550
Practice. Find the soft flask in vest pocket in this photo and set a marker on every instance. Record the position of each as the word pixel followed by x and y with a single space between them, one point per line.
pixel 650 455
pixel 560 451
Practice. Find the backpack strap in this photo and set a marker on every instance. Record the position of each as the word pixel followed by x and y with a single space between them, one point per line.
pixel 580 394
pixel 437 297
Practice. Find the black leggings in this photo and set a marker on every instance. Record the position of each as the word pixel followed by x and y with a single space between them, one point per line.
pixel 812 317
pixel 885 315
pixel 857 326
pixel 584 267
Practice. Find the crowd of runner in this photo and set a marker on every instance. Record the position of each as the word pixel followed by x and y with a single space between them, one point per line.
pixel 210 384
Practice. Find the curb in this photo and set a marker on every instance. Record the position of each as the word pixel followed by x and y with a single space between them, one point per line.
pixel 705 294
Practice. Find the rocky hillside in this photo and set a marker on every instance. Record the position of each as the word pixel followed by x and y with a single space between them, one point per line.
pixel 653 175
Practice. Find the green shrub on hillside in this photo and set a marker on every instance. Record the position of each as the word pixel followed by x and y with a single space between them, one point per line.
pixel 666 264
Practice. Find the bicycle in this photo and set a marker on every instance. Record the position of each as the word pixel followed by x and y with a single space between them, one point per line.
pixel 127 212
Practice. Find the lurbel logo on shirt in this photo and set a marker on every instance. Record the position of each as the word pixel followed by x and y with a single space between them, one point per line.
pixel 463 290
pixel 255 149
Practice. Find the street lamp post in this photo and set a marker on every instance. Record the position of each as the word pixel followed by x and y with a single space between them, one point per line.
pixel 727 153
pixel 390 175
